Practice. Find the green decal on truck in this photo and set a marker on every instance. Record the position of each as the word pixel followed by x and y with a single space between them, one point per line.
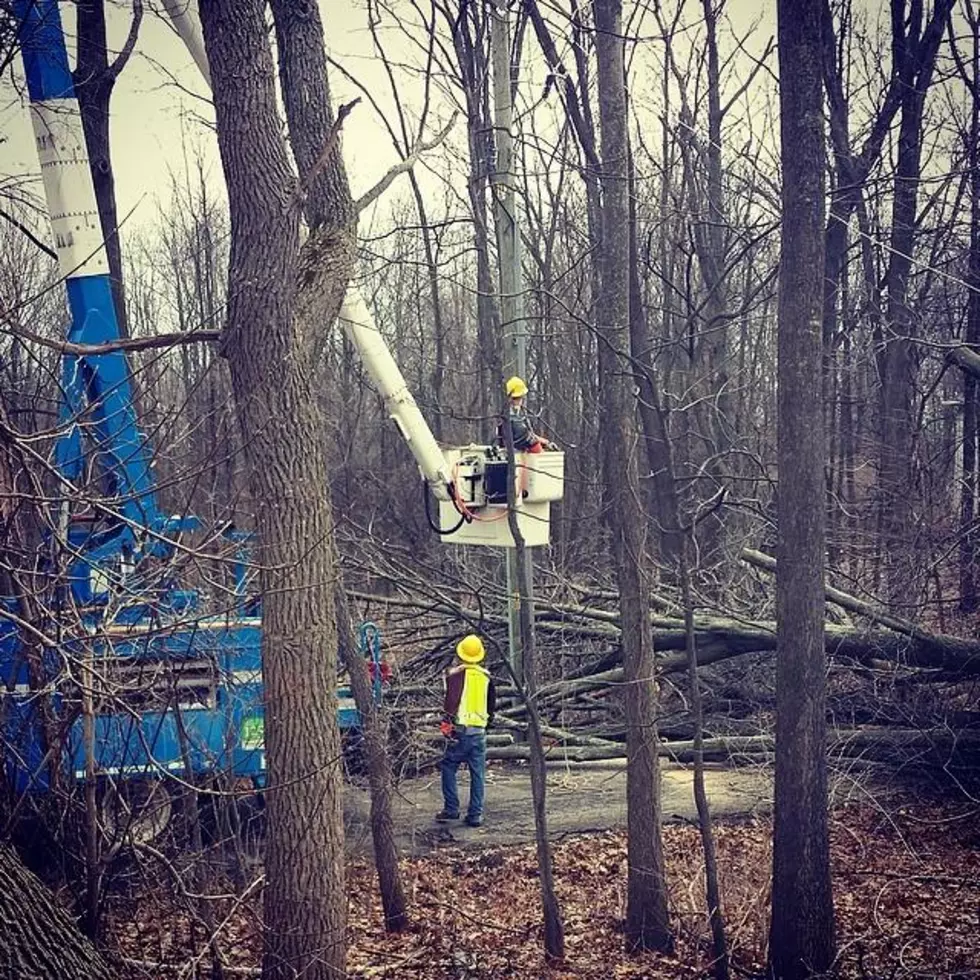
pixel 253 732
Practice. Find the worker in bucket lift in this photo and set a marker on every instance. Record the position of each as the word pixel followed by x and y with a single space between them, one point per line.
pixel 467 711
pixel 525 438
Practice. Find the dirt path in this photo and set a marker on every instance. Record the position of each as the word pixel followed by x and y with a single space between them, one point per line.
pixel 581 798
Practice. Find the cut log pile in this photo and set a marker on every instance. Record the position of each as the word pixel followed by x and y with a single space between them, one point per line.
pixel 896 691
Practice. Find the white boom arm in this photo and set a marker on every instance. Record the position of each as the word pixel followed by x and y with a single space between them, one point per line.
pixel 354 314
pixel 366 337
pixel 183 15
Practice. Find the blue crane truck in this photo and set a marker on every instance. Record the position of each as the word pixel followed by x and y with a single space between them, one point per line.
pixel 108 670
pixel 111 671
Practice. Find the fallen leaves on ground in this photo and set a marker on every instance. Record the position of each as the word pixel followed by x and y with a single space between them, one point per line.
pixel 906 884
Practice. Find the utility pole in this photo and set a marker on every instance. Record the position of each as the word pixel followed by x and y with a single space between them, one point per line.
pixel 509 264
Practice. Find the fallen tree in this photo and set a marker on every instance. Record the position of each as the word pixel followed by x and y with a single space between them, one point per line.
pixel 966 359
pixel 886 745
pixel 940 658
pixel 883 638
pixel 877 651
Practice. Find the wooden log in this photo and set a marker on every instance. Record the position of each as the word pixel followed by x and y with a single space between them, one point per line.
pixel 905 746
pixel 872 744
pixel 954 656
pixel 494 739
pixel 965 359
pixel 880 742
pixel 894 639
pixel 574 753
pixel 851 603
pixel 559 734
pixel 715 750
pixel 930 749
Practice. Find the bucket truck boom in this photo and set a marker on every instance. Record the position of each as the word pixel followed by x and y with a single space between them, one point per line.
pixel 402 407
pixel 468 481
pixel 97 416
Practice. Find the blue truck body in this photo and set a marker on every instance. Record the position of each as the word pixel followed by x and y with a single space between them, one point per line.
pixel 165 689
pixel 180 699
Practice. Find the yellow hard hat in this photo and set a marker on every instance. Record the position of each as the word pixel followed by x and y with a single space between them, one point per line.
pixel 515 387
pixel 470 649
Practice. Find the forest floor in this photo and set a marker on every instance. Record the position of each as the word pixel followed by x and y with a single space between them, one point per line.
pixel 906 879
pixel 906 872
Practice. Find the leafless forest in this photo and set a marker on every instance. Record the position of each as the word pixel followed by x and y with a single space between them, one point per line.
pixel 758 561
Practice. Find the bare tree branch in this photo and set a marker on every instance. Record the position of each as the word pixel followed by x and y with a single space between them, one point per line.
pixel 30 235
pixel 127 49
pixel 333 137
pixel 403 166
pixel 131 343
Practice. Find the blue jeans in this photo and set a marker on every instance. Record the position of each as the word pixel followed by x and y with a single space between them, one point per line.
pixel 471 749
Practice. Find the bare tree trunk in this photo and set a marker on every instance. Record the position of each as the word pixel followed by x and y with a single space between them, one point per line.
pixel 93 856
pixel 470 39
pixel 801 937
pixel 897 362
pixel 40 941
pixel 715 915
pixel 375 735
pixel 682 569
pixel 438 323
pixel 326 260
pixel 94 79
pixel 577 93
pixel 710 243
pixel 852 168
pixel 330 214
pixel 851 174
pixel 554 929
pixel 199 908
pixel 272 357
pixel 971 409
pixel 664 499
pixel 646 911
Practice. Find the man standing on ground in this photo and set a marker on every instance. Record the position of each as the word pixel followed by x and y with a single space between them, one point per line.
pixel 467 711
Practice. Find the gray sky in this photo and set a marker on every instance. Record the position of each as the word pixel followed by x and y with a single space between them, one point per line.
pixel 156 118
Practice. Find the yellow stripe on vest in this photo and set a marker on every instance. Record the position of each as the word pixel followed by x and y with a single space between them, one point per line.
pixel 472 711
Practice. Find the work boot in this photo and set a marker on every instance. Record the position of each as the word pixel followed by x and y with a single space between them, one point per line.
pixel 444 816
pixel 474 821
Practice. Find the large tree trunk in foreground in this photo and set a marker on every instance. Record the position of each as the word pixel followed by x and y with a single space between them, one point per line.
pixel 801 937
pixel 272 364
pixel 646 909
pixel 325 265
pixel 40 941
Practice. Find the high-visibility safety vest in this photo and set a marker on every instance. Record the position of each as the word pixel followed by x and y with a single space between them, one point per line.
pixel 472 710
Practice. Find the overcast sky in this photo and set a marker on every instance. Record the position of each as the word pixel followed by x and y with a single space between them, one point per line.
pixel 152 115
pixel 160 100
pixel 155 116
